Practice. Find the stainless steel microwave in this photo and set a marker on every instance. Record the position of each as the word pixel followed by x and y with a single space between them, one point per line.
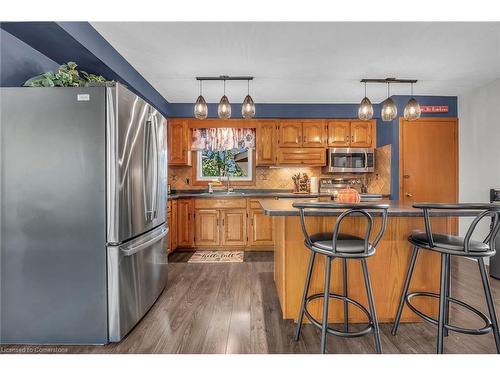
pixel 352 160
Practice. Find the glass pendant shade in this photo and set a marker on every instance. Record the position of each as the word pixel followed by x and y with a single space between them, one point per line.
pixel 248 108
pixel 389 110
pixel 412 110
pixel 365 110
pixel 224 108
pixel 200 108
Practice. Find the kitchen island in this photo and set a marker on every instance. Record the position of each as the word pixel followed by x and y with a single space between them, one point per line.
pixel 387 267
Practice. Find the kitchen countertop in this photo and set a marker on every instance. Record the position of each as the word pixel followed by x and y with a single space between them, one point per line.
pixel 247 193
pixel 283 207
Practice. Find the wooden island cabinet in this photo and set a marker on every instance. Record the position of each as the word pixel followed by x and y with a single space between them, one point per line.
pixel 387 268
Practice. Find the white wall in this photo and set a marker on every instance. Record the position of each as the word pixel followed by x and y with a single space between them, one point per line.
pixel 479 116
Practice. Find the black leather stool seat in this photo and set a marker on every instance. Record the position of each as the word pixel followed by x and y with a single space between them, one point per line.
pixel 445 243
pixel 347 245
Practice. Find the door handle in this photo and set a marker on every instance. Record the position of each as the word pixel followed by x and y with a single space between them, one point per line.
pixel 409 195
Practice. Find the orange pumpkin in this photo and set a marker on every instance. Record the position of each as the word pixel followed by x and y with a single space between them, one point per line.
pixel 348 195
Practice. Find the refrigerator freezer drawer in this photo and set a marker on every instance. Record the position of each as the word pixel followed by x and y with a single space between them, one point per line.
pixel 137 274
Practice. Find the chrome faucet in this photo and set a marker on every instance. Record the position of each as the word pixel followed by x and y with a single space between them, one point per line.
pixel 228 185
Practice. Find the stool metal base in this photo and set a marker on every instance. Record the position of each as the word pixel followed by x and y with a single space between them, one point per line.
pixel 366 330
pixel 470 331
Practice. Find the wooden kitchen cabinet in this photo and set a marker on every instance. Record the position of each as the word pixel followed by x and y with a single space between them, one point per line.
pixel 260 229
pixel 185 223
pixel 339 133
pixel 179 142
pixel 290 133
pixel 298 156
pixel 234 227
pixel 347 133
pixel 266 143
pixel 361 134
pixel 172 224
pixel 313 133
pixel 206 227
pixel 309 133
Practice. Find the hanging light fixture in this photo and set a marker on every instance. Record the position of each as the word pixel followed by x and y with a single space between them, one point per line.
pixel 200 107
pixel 248 106
pixel 389 109
pixel 412 110
pixel 365 110
pixel 224 108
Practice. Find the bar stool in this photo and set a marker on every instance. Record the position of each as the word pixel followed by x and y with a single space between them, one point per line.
pixel 336 245
pixel 447 246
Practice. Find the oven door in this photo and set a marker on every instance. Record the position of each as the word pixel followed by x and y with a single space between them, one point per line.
pixel 353 160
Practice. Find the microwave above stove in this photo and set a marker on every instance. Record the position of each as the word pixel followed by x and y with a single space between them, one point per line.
pixel 350 160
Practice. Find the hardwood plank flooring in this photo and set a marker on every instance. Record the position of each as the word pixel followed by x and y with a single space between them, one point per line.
pixel 234 308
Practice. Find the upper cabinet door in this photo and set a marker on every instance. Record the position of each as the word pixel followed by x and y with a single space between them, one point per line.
pixel 313 133
pixel 338 133
pixel 290 134
pixel 178 143
pixel 361 134
pixel 266 143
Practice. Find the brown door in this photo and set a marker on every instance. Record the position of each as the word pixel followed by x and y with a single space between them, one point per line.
pixel 234 227
pixel 339 133
pixel 299 156
pixel 290 134
pixel 361 134
pixel 266 144
pixel 206 228
pixel 178 143
pixel 429 160
pixel 261 229
pixel 173 226
pixel 313 133
pixel 185 224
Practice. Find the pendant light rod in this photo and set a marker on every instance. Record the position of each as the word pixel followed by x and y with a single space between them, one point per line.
pixel 225 78
pixel 388 80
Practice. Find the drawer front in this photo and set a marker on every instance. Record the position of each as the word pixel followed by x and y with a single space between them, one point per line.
pixel 295 156
pixel 254 204
pixel 220 203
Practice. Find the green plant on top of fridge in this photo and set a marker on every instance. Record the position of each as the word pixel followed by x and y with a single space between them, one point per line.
pixel 66 76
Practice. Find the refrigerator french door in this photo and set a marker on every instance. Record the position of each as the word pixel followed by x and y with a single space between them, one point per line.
pixel 137 232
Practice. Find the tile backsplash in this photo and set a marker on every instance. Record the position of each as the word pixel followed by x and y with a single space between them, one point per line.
pixel 378 182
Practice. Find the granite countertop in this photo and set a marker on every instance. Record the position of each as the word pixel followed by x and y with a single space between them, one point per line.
pixel 283 207
pixel 249 193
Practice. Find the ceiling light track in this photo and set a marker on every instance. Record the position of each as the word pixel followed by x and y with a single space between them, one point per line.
pixel 389 109
pixel 224 107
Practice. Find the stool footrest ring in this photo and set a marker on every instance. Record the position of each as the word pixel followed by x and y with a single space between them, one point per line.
pixel 366 330
pixel 470 331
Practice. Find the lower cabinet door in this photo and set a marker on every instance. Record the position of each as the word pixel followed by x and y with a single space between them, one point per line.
pixel 260 229
pixel 185 223
pixel 234 227
pixel 207 228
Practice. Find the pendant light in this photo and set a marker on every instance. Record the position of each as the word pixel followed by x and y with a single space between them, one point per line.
pixel 200 107
pixel 365 110
pixel 248 106
pixel 412 110
pixel 224 108
pixel 389 109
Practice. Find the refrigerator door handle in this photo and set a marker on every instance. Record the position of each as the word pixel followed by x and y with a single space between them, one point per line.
pixel 154 204
pixel 147 185
pixel 127 251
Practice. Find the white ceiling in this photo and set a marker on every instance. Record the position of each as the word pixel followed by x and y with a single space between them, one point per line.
pixel 308 62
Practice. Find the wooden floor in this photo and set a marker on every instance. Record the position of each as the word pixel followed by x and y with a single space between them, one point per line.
pixel 234 308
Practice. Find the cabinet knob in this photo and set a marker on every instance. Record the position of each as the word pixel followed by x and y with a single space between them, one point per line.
pixel 409 195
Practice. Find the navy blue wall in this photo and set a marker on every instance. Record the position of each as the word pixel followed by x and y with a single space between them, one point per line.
pixel 280 110
pixel 19 61
pixel 80 42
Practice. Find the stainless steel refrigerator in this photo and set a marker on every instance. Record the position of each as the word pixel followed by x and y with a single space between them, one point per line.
pixel 83 224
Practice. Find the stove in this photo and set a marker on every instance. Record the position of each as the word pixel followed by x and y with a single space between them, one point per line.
pixel 331 185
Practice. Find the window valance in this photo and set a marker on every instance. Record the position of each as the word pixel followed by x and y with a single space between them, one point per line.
pixel 220 139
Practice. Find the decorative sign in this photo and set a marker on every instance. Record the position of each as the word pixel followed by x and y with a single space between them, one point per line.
pixel 434 108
